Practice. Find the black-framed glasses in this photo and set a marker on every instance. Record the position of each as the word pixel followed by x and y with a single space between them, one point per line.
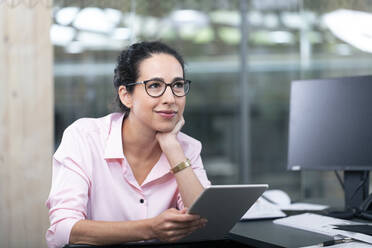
pixel 156 87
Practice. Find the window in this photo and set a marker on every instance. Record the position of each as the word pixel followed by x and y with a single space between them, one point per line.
pixel 286 40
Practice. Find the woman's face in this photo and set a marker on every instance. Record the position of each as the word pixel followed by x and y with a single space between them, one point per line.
pixel 162 113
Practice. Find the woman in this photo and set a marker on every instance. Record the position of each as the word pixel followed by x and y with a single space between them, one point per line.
pixel 130 176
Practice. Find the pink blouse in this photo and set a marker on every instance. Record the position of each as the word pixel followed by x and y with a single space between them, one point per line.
pixel 93 180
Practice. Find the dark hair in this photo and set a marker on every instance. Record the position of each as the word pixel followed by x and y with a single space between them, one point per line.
pixel 127 68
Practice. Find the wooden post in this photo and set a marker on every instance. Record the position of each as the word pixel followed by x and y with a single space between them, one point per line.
pixel 26 121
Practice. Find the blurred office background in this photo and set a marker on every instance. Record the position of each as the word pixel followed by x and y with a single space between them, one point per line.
pixel 241 57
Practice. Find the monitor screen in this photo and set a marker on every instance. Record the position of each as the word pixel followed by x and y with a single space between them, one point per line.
pixel 330 124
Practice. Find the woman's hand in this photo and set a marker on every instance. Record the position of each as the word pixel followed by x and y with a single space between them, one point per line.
pixel 173 224
pixel 169 139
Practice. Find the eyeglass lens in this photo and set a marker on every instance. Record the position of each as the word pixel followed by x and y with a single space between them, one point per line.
pixel 157 87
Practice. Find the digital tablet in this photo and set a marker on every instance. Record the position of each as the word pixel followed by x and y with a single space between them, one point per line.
pixel 223 206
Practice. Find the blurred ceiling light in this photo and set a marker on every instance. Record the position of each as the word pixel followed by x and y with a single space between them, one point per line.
pixel 94 41
pixel 281 37
pixel 65 16
pixel 74 47
pixel 113 15
pixel 88 39
pixel 60 35
pixel 188 16
pixel 292 20
pixel 353 27
pixel 255 18
pixel 93 19
pixel 121 34
pixel 226 17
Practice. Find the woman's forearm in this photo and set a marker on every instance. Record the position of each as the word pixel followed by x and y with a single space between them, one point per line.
pixel 105 233
pixel 189 186
pixel 188 183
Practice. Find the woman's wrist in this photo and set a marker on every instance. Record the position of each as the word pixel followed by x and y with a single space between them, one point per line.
pixel 175 155
pixel 181 166
pixel 150 232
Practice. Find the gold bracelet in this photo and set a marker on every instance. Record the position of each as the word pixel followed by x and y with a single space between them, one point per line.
pixel 181 166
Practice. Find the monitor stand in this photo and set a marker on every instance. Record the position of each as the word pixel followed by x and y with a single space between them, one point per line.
pixel 355 191
pixel 356 184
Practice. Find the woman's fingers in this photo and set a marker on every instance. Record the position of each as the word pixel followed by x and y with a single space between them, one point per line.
pixel 184 210
pixel 174 224
pixel 179 125
pixel 182 216
pixel 183 220
pixel 178 232
pixel 190 224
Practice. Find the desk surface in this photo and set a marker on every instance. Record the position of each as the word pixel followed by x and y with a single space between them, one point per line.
pixel 203 244
pixel 264 233
pixel 258 233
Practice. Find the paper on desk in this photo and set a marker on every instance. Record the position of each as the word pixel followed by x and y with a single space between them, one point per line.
pixel 303 206
pixel 322 224
pixel 354 244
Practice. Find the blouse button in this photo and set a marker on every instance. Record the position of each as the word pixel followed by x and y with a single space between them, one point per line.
pixel 142 200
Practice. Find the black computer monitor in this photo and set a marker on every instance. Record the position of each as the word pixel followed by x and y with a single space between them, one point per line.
pixel 330 128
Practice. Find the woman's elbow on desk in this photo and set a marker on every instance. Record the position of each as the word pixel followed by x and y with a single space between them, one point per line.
pixel 58 233
pixel 107 233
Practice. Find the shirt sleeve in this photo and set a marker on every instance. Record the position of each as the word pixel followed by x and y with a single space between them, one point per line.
pixel 68 197
pixel 192 152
